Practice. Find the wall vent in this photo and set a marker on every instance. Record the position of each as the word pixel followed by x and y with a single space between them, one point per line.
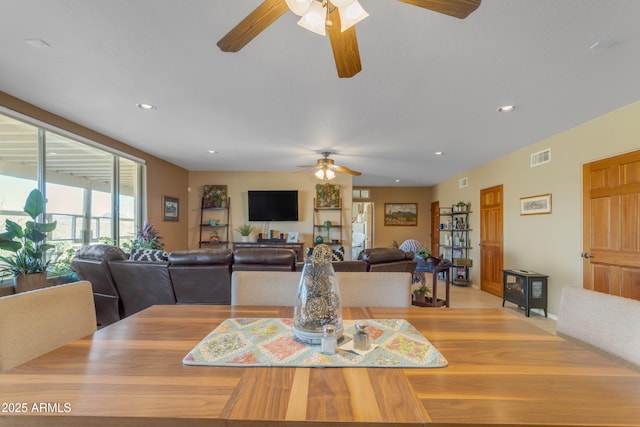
pixel 541 157
pixel 463 182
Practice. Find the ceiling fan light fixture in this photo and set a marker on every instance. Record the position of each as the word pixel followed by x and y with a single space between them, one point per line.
pixel 299 7
pixel 325 174
pixel 315 19
pixel 350 15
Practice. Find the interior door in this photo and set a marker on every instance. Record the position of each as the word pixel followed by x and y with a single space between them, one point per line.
pixel 611 225
pixel 491 240
pixel 435 228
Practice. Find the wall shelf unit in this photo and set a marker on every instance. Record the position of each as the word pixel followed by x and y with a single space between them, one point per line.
pixel 332 235
pixel 454 242
pixel 214 225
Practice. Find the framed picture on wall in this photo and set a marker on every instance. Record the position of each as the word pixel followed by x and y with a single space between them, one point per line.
pixel 401 214
pixel 170 208
pixel 535 205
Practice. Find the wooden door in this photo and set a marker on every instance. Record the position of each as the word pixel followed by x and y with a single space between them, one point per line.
pixel 611 225
pixel 491 240
pixel 435 228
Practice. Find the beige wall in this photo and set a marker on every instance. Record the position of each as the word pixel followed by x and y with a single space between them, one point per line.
pixel 384 235
pixel 548 244
pixel 163 178
pixel 239 183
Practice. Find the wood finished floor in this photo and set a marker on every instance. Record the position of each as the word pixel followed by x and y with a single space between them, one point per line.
pixel 469 297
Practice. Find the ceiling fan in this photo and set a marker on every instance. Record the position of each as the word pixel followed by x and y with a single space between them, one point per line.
pixel 326 167
pixel 343 40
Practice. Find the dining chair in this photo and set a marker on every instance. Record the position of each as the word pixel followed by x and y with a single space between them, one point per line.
pixel 606 323
pixel 382 289
pixel 36 322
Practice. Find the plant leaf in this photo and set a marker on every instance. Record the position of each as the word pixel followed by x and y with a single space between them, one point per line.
pixel 13 230
pixel 34 205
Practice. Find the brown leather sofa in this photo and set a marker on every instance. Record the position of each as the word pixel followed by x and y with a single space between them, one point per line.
pixel 264 259
pixel 91 263
pixel 201 276
pixel 388 259
pixel 122 286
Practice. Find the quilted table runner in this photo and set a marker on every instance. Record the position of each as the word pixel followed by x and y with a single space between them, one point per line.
pixel 270 342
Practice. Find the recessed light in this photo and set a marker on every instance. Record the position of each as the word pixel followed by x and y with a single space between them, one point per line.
pixel 213 152
pixel 37 43
pixel 146 107
pixel 438 153
pixel 506 108
pixel 397 180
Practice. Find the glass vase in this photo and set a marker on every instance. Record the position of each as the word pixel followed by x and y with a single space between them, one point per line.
pixel 318 301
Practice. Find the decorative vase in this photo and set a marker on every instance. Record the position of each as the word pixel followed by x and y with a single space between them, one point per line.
pixel 318 301
pixel 245 238
pixel 29 282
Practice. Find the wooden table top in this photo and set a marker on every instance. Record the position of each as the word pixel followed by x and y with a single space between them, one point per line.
pixel 502 371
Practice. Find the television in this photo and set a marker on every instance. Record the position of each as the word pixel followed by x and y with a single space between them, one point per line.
pixel 274 205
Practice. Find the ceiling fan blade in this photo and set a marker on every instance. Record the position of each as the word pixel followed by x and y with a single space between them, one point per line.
pixel 309 166
pixel 345 47
pixel 255 23
pixel 456 8
pixel 345 170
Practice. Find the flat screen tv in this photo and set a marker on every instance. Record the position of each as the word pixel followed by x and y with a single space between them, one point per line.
pixel 274 205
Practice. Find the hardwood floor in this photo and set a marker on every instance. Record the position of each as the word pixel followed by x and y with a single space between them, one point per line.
pixel 469 297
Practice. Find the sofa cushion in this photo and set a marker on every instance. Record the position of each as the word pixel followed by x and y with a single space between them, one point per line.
pixel 201 257
pixel 144 254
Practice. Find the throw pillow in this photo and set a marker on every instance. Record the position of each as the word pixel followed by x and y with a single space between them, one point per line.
pixel 143 254
pixel 338 254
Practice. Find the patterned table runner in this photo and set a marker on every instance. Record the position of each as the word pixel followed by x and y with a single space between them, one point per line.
pixel 270 342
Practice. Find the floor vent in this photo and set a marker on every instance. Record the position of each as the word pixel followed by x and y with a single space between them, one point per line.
pixel 463 182
pixel 541 157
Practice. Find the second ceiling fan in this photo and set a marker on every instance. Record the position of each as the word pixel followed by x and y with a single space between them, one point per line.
pixel 343 41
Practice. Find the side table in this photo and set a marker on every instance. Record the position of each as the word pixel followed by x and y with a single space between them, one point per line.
pixel 444 266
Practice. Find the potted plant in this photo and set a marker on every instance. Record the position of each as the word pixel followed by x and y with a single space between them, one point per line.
pixel 420 294
pixel 147 237
pixel 28 264
pixel 460 206
pixel 245 230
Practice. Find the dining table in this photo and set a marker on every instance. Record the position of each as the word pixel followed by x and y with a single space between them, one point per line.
pixel 501 371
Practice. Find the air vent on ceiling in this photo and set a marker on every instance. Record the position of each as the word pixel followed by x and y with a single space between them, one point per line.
pixel 541 157
pixel 463 182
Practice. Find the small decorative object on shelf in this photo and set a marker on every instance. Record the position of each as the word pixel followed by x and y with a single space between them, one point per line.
pixel 318 302
pixel 214 196
pixel 327 196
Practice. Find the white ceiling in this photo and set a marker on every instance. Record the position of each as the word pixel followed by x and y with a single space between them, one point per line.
pixel 429 82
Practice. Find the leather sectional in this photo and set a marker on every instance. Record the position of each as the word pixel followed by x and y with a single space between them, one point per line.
pixel 122 287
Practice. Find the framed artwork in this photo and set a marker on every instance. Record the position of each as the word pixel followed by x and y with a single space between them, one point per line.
pixel 170 208
pixel 214 196
pixel 327 196
pixel 535 205
pixel 401 214
pixel 292 237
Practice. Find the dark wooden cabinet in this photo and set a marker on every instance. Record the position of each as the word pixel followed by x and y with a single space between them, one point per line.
pixel 527 289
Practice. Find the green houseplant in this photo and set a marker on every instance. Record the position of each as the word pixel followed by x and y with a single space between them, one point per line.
pixel 28 264
pixel 244 230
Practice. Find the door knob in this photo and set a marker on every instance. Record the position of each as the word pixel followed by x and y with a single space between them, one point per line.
pixel 586 255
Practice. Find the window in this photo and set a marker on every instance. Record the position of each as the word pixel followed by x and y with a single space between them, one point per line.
pixel 92 192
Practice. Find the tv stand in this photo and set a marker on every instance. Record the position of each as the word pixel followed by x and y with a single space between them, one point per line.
pixel 273 243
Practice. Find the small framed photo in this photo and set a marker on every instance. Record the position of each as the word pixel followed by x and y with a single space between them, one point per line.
pixel 401 214
pixel 535 205
pixel 170 208
pixel 292 237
